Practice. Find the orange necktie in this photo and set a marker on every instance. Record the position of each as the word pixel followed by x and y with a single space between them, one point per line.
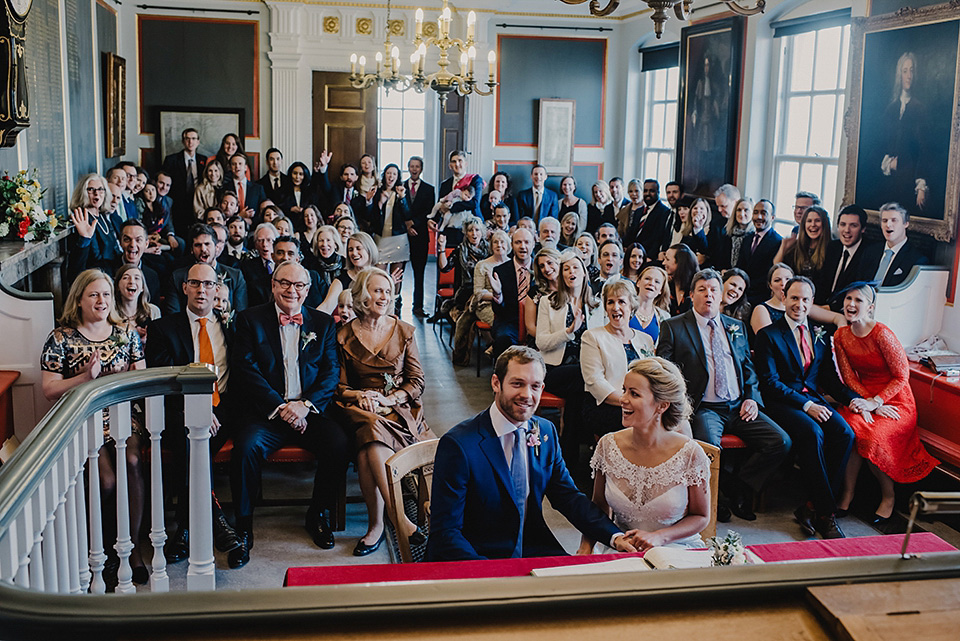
pixel 206 354
pixel 240 195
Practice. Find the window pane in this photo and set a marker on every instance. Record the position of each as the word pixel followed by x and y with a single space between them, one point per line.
pixel 844 57
pixel 412 149
pixel 801 76
pixel 811 178
pixel 650 162
pixel 821 134
pixel 413 100
pixel 830 188
pixel 787 181
pixel 665 169
pixel 670 126
pixel 838 126
pixel 798 123
pixel 391 123
pixel 391 152
pixel 392 99
pixel 827 59
pixel 656 125
pixel 673 83
pixel 659 85
pixel 413 126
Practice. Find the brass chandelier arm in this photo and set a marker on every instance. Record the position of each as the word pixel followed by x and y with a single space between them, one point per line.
pixel 595 6
pixel 746 11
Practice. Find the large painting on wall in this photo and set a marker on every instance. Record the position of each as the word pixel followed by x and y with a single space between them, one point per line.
pixel 711 56
pixel 902 145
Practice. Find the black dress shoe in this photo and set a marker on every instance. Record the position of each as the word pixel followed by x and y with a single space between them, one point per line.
pixel 805 516
pixel 320 531
pixel 827 527
pixel 240 556
pixel 363 549
pixel 884 524
pixel 178 547
pixel 723 513
pixel 841 513
pixel 419 313
pixel 742 509
pixel 140 575
pixel 224 537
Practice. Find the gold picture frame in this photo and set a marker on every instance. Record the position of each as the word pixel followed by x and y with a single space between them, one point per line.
pixel 115 104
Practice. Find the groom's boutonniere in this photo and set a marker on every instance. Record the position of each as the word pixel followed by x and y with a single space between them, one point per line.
pixel 734 332
pixel 306 339
pixel 819 335
pixel 533 439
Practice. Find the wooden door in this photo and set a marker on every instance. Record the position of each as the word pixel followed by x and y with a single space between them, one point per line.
pixel 344 119
pixel 453 119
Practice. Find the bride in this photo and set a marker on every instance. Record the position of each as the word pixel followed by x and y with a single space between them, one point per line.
pixel 648 477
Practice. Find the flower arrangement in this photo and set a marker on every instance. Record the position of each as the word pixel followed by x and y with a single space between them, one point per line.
pixel 727 551
pixel 21 214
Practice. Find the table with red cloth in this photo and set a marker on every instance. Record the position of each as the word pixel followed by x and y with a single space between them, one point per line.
pixel 923 542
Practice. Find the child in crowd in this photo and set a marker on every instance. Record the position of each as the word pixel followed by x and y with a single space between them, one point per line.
pixel 345 308
pixel 450 219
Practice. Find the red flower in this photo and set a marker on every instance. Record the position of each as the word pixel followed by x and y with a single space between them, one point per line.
pixel 24 227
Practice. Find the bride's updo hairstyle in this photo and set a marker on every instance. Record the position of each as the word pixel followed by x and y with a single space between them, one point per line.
pixel 667 385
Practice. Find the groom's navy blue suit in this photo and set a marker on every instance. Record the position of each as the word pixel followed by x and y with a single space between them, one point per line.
pixel 473 511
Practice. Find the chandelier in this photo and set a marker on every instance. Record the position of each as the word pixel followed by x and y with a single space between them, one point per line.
pixel 682 9
pixel 388 73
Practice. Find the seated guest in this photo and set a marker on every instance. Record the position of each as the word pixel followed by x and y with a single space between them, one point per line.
pixel 601 208
pixel 726 197
pixel 562 318
pixel 548 235
pixel 847 256
pixel 648 477
pixel 198 334
pixel 527 223
pixel 680 263
pixel 605 353
pixel 546 280
pixel 257 270
pixel 488 487
pixel 133 246
pixel 899 255
pixel 287 248
pixel 695 231
pixel 499 220
pixel 133 300
pixel 633 260
pixel 713 352
pixel 463 261
pixel 283 225
pixel 297 194
pixel 285 361
pixel 793 362
pixel 733 301
pixel 653 301
pixel 207 192
pixel 807 255
pixel 874 365
pixel 674 234
pixel 156 218
pixel 738 226
pixel 499 184
pixel 345 224
pixel 757 251
pixel 275 182
pixel 772 310
pixel 236 241
pixel 482 301
pixel 610 262
pixel 378 396
pixel 587 246
pixel 95 245
pixel 270 213
pixel 230 144
pixel 651 198
pixel 632 217
pixel 92 342
pixel 537 201
pixel 511 283
pixel 570 203
pixel 213 216
pixel 202 243
pixel 307 234
pixel 568 229
pixel 330 264
pixel 230 206
pixel 362 252
pixel 345 308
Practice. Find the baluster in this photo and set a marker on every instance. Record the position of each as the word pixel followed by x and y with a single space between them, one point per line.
pixel 60 525
pixel 24 528
pixel 49 544
pixel 70 513
pixel 159 581
pixel 120 431
pixel 37 560
pixel 198 416
pixel 83 564
pixel 97 557
pixel 9 558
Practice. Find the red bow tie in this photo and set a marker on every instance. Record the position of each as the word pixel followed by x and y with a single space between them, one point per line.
pixel 296 319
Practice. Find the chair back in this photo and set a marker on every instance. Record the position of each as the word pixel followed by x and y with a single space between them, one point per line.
pixel 416 459
pixel 713 453
pixel 446 278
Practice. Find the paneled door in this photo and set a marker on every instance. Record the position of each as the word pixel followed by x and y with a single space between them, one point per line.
pixel 344 119
pixel 453 119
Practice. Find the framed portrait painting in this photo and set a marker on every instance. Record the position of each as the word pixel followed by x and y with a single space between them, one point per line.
pixel 115 104
pixel 708 112
pixel 555 139
pixel 211 123
pixel 902 145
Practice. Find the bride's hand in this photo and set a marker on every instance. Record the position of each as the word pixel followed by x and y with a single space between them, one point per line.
pixel 646 540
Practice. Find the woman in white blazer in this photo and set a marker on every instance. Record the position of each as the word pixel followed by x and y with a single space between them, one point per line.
pixel 605 353
pixel 562 319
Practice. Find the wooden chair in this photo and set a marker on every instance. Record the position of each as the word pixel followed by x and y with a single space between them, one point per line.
pixel 713 453
pixel 418 460
pixel 445 291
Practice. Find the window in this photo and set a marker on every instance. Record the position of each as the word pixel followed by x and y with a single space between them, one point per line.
pixel 401 126
pixel 661 88
pixel 810 108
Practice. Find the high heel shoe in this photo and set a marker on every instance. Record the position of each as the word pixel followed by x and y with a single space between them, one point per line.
pixel 884 524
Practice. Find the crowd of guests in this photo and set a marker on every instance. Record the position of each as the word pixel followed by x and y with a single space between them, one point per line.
pixel 654 321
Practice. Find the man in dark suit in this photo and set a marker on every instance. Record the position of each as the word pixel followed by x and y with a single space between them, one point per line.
pixel 202 244
pixel 185 168
pixel 793 362
pixel 459 180
pixel 274 182
pixel 491 473
pixel 258 269
pixel 133 243
pixel 421 198
pixel 892 266
pixel 196 335
pixel 846 256
pixel 758 250
pixel 647 225
pixel 537 201
pixel 651 198
pixel 515 279
pixel 712 351
pixel 329 193
pixel 250 194
pixel 285 361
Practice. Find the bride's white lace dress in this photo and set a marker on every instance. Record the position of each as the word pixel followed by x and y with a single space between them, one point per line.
pixel 650 498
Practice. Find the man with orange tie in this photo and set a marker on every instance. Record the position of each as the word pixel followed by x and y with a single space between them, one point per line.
pixel 794 361
pixel 196 335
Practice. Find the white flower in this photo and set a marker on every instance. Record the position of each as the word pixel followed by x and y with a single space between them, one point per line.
pixel 38 216
pixel 4 229
pixel 28 237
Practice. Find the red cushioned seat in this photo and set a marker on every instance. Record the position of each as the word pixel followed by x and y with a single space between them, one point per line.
pixel 732 442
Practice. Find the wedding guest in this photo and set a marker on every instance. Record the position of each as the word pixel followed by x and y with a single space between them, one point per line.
pixel 772 310
pixel 464 259
pixel 634 259
pixel 587 247
pixel 653 301
pixel 500 185
pixel 207 192
pixel 758 249
pixel 483 274
pixel 601 208
pixel 368 174
pixel 329 264
pixel 738 226
pixel 345 224
pixel 546 278
pixel 570 203
pixel 133 300
pixel 568 229
pixel 733 302
pixel 511 283
pixel 809 253
pixel 95 244
pixel 680 263
pixel 694 231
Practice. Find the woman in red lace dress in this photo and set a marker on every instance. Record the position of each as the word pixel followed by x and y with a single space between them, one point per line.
pixel 874 365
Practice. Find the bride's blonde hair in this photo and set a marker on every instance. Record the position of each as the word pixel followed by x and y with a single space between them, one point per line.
pixel 667 386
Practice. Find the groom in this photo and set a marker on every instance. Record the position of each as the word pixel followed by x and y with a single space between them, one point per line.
pixel 492 472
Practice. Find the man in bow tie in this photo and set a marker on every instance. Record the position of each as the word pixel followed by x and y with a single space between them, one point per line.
pixel 492 472
pixel 285 361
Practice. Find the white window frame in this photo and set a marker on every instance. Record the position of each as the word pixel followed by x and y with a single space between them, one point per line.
pixel 383 137
pixel 648 101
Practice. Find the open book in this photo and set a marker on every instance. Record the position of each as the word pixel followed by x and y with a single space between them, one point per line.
pixel 658 558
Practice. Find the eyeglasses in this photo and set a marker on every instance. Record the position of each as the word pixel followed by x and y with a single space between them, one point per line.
pixel 287 284
pixel 96 190
pixel 197 284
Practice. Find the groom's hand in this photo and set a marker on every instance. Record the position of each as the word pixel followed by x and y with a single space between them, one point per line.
pixel 622 542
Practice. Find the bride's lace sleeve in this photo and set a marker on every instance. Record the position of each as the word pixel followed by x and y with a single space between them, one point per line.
pixel 600 461
pixel 697 468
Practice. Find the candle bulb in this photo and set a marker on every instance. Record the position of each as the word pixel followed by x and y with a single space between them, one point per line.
pixel 414 62
pixel 395 55
pixel 471 25
pixel 463 62
pixel 379 62
pixel 445 22
pixel 353 64
pixel 363 63
pixel 471 56
pixel 419 20
pixel 492 61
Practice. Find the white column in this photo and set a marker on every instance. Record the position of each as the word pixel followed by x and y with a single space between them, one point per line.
pixel 198 417
pixel 36 555
pixel 120 431
pixel 97 557
pixel 287 127
pixel 159 581
pixel 24 544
